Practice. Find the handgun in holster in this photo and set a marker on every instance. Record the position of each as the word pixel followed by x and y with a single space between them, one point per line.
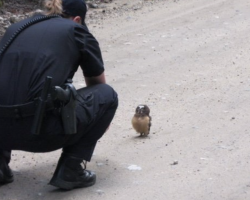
pixel 66 95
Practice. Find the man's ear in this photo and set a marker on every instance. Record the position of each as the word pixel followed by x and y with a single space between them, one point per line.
pixel 77 19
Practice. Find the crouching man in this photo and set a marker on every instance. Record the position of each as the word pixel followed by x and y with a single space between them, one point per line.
pixel 53 44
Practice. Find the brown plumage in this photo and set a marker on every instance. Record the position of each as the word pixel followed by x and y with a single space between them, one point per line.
pixel 141 120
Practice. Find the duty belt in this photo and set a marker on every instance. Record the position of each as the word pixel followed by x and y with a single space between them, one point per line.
pixel 22 110
pixel 66 96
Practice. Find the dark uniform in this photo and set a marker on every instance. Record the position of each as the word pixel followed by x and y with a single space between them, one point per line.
pixel 54 47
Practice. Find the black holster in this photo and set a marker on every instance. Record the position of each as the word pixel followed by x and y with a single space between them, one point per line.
pixel 67 98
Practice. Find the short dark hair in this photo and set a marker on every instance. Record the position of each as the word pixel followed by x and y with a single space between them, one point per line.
pixel 74 8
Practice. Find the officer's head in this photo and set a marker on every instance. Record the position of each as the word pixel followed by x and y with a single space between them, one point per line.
pixel 76 9
pixel 73 9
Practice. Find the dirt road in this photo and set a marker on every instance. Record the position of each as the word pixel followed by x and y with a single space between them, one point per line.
pixel 189 61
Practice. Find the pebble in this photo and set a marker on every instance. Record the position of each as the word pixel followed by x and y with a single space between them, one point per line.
pixel 175 162
pixel 100 192
pixel 93 5
pixel 134 168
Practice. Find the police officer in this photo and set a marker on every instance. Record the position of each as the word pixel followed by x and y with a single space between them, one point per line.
pixel 54 46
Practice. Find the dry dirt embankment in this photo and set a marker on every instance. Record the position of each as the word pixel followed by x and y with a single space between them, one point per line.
pixel 15 10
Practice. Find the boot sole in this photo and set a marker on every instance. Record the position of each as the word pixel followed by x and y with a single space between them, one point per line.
pixel 71 185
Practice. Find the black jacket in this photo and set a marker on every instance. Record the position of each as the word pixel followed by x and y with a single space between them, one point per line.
pixel 54 47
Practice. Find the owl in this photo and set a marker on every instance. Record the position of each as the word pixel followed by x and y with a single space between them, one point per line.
pixel 141 120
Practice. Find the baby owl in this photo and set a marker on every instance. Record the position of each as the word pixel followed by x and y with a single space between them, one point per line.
pixel 141 120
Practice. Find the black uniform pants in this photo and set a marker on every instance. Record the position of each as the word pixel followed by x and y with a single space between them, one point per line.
pixel 96 107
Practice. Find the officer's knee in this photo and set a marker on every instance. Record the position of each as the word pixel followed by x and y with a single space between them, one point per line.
pixel 111 94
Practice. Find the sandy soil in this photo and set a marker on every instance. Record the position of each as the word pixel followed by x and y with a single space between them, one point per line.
pixel 188 61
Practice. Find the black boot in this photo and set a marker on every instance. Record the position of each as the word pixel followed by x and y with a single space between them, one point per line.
pixel 6 175
pixel 70 174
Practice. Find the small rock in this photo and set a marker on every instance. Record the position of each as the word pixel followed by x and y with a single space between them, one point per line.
pixel 134 167
pixel 92 5
pixel 13 19
pixel 100 192
pixel 175 162
pixel 6 26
